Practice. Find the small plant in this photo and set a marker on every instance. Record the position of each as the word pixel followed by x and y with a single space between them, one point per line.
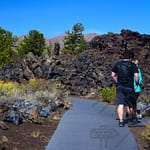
pixel 58 85
pixel 144 97
pixel 33 84
pixel 6 88
pixel 109 94
pixel 146 134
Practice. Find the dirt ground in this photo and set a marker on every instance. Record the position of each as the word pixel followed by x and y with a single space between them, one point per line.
pixel 29 136
pixel 142 143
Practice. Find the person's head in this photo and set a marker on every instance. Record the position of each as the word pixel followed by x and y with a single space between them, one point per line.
pixel 136 62
pixel 128 54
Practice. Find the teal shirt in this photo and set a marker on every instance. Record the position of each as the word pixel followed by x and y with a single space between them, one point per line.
pixel 139 88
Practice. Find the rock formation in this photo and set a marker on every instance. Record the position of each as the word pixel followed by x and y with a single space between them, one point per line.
pixel 89 71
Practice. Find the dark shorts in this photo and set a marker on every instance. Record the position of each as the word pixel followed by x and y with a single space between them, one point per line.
pixel 125 96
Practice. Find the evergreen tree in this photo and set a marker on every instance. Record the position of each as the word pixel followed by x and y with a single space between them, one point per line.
pixel 74 41
pixel 7 41
pixel 34 42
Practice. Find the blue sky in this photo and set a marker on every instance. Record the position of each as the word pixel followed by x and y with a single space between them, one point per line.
pixel 54 17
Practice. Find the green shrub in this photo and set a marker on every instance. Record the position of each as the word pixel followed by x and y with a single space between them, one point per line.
pixel 108 94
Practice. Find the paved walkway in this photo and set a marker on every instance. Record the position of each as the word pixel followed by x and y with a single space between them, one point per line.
pixel 91 125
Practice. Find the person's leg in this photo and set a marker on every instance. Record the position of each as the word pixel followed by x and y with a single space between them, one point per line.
pixel 137 95
pixel 131 104
pixel 138 111
pixel 130 112
pixel 120 112
pixel 120 107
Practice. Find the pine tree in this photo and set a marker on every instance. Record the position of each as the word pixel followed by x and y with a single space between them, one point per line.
pixel 74 41
pixel 7 41
pixel 34 42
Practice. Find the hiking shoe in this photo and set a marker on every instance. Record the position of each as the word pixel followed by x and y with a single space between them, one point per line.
pixel 134 121
pixel 121 124
pixel 117 118
pixel 125 121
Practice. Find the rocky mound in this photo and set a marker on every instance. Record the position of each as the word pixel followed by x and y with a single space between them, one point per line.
pixel 88 72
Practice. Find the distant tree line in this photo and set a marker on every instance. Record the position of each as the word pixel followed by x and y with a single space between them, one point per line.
pixel 34 42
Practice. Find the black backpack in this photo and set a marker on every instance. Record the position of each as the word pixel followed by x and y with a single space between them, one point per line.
pixel 125 73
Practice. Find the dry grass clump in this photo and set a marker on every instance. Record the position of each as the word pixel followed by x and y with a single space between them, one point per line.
pixel 34 90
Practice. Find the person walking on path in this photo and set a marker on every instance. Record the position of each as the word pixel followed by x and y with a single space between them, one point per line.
pixel 123 74
pixel 138 88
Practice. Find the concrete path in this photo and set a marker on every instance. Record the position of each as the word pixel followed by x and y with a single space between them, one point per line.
pixel 91 125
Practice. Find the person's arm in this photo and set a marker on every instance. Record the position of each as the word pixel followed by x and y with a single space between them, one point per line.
pixel 140 77
pixel 136 76
pixel 114 77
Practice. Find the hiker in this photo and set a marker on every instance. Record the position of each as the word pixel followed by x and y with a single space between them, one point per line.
pixel 138 88
pixel 123 74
